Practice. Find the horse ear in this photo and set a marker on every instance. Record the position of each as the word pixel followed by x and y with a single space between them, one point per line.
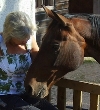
pixel 48 12
pixel 61 19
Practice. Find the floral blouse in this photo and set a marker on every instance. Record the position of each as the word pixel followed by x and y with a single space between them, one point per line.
pixel 13 68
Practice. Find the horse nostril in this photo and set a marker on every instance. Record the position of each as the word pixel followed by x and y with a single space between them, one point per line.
pixel 29 90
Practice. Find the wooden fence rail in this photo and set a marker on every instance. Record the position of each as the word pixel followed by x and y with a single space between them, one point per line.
pixel 78 87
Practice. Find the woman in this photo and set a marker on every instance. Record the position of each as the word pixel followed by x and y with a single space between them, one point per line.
pixel 17 50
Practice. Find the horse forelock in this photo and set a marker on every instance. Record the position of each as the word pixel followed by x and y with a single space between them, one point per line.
pixel 50 32
pixel 54 31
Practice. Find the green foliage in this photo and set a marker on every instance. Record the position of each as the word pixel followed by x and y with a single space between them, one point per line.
pixel 89 60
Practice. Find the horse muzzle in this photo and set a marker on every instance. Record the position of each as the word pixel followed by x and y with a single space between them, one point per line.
pixel 38 90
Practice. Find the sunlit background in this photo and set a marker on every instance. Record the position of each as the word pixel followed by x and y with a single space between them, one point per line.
pixel 7 6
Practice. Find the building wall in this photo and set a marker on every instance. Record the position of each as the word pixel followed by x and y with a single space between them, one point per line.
pixel 7 6
pixel 96 6
pixel 84 6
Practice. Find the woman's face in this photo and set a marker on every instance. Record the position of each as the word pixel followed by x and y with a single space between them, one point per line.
pixel 16 41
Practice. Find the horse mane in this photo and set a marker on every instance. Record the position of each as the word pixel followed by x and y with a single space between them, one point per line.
pixel 95 22
pixel 94 19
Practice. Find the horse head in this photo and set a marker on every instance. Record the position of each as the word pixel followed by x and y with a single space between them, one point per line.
pixel 62 51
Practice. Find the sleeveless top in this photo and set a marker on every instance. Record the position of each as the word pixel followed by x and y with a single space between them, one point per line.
pixel 13 68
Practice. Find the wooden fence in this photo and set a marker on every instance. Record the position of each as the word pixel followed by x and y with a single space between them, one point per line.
pixel 78 87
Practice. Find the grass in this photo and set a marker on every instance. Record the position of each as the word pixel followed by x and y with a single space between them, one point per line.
pixel 89 60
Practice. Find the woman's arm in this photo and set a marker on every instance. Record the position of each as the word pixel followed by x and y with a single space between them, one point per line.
pixel 34 48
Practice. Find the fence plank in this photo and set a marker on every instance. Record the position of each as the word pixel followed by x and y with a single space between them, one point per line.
pixel 77 100
pixel 61 98
pixel 94 102
pixel 82 86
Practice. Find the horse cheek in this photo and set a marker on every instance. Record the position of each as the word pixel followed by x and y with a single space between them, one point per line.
pixel 75 58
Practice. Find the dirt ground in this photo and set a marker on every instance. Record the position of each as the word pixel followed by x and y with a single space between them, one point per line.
pixel 89 71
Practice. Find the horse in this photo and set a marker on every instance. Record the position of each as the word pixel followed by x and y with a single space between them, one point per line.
pixel 68 39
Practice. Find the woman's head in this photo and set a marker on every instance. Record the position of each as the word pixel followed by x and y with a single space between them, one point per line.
pixel 17 25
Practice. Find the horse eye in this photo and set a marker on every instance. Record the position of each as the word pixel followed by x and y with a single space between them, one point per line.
pixel 55 46
pixel 42 38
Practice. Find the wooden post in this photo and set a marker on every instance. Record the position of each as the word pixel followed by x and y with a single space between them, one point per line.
pixel 94 102
pixel 77 100
pixel 61 98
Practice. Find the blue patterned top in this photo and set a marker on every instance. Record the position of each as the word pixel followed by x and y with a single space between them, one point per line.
pixel 13 68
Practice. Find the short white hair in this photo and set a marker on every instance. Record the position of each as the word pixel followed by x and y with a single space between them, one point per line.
pixel 17 24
